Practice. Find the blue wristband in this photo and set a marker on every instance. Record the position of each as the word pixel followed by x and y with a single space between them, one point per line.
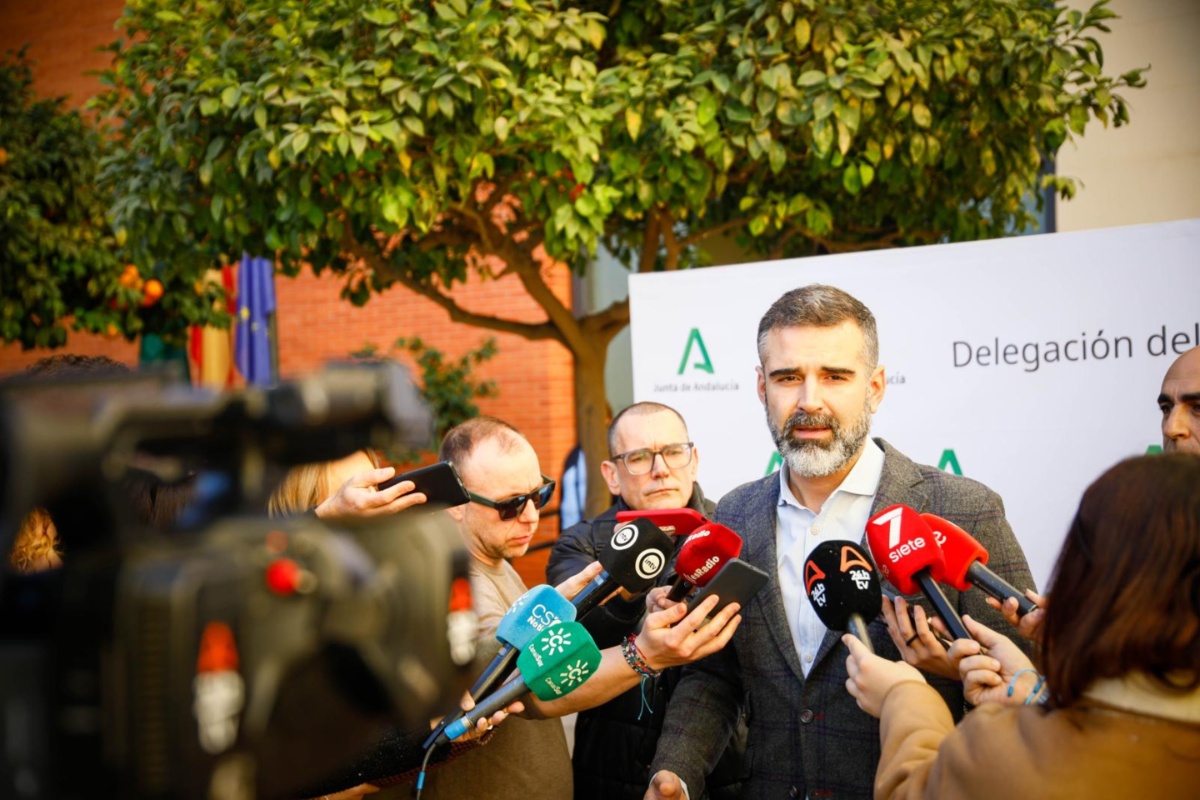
pixel 1012 684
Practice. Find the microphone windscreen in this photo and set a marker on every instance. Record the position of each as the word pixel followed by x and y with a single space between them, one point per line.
pixel 902 545
pixel 636 554
pixel 959 550
pixel 559 660
pixel 840 581
pixel 705 551
pixel 532 613
pixel 676 522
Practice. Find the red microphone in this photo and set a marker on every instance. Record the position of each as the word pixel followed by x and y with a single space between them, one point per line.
pixel 908 555
pixel 965 558
pixel 702 555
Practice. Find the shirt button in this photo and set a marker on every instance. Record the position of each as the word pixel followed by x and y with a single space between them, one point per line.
pixel 815 529
pixel 808 658
pixel 806 716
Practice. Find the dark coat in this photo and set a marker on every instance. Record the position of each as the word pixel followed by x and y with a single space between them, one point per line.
pixel 807 736
pixel 615 742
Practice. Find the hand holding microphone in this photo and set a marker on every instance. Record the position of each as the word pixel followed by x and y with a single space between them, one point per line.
pixel 701 557
pixel 966 564
pixel 843 588
pixel 532 613
pixel 635 556
pixel 908 555
pixel 558 661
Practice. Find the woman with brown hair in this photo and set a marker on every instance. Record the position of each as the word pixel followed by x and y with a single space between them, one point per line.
pixel 1117 713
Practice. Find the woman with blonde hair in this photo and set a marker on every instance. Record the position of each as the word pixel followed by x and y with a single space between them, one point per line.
pixel 342 488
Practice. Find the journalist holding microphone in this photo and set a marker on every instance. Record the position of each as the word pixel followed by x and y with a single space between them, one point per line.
pixel 1113 709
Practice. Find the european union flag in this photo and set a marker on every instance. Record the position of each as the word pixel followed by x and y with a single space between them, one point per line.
pixel 255 304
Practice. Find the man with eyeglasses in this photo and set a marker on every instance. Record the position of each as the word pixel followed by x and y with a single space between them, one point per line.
pixel 652 464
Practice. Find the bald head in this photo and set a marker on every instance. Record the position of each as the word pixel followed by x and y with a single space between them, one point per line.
pixel 1180 404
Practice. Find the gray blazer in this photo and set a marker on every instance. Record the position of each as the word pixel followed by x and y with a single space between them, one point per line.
pixel 807 736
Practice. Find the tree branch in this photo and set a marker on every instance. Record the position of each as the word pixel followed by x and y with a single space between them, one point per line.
pixel 527 330
pixel 715 230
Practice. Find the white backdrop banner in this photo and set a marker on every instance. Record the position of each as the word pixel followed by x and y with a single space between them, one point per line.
pixel 1031 364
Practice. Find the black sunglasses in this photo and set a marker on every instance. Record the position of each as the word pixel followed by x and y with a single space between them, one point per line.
pixel 513 506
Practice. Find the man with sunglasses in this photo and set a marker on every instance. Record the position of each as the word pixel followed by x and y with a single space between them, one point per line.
pixel 527 757
pixel 652 464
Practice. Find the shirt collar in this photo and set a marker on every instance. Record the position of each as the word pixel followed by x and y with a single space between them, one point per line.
pixel 863 478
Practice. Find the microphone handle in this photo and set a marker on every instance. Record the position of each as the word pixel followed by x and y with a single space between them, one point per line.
pixel 504 696
pixel 500 668
pixel 679 589
pixel 941 605
pixel 997 587
pixel 858 626
pixel 594 594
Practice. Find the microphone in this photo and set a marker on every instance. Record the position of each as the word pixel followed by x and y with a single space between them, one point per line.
pixel 843 588
pixel 636 555
pixel 965 558
pixel 675 521
pixel 558 661
pixel 702 555
pixel 908 555
pixel 532 613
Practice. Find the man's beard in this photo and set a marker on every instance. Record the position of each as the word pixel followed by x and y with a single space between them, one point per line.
pixel 816 459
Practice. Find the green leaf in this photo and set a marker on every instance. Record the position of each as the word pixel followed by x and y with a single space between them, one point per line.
pixel 803 33
pixel 922 115
pixel 500 126
pixel 851 180
pixel 823 106
pixel 633 122
pixel 229 96
pixel 706 112
pixel 299 142
pixel 339 115
pixel 380 16
pixel 210 106
pixel 812 77
pixel 414 124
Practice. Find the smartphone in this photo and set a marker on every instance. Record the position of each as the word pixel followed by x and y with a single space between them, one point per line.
pixel 439 482
pixel 673 521
pixel 737 582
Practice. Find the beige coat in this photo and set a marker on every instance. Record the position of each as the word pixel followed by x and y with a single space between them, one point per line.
pixel 1095 750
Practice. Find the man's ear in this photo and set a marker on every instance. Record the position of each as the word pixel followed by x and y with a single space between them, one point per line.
pixel 457 513
pixel 609 470
pixel 761 380
pixel 876 388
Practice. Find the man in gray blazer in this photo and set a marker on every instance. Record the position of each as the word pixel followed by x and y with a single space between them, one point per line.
pixel 819 381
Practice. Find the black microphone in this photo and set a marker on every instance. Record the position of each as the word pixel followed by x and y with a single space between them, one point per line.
pixel 635 556
pixel 843 588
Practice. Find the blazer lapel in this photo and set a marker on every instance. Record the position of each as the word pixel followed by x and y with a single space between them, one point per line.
pixel 764 555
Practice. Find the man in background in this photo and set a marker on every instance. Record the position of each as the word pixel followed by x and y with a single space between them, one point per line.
pixel 1179 401
pixel 652 464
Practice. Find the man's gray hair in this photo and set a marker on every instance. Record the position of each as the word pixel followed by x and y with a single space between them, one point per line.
pixel 821 306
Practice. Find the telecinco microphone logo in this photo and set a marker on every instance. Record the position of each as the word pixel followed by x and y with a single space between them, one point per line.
pixel 624 536
pixel 650 564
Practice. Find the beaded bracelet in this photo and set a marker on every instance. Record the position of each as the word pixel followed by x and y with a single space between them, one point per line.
pixel 635 659
pixel 1012 684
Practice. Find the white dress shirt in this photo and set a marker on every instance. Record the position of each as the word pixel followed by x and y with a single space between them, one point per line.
pixel 798 530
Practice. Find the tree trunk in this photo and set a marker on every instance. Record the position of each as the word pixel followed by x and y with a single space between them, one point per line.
pixel 590 422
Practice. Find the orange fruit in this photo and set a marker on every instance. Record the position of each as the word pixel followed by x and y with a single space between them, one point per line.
pixel 152 292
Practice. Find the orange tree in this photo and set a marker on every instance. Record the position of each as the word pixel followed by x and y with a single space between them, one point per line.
pixel 60 264
pixel 409 143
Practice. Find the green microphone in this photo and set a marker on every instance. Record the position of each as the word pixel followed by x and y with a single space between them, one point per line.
pixel 558 661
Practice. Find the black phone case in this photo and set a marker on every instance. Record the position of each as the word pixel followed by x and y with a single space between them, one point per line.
pixel 737 582
pixel 439 482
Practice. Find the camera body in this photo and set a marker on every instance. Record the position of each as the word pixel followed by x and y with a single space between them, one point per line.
pixel 242 656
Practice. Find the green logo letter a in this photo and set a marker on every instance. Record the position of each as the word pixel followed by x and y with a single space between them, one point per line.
pixel 706 364
pixel 949 463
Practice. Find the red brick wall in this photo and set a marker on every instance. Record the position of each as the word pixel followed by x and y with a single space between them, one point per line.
pixel 314 324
